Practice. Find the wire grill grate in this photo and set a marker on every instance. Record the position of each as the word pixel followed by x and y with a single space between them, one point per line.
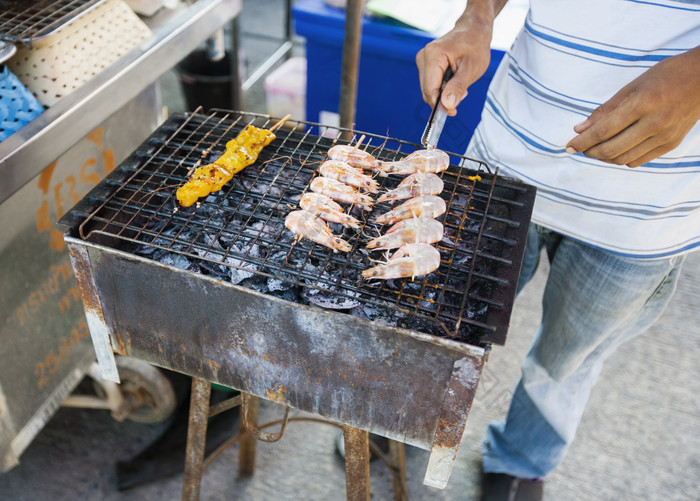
pixel 22 21
pixel 241 227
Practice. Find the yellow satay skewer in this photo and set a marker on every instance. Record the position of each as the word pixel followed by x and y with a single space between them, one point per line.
pixel 241 152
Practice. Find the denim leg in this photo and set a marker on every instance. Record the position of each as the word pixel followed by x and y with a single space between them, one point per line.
pixel 531 257
pixel 593 302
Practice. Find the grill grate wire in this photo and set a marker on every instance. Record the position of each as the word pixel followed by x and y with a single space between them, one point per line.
pixel 23 22
pixel 248 214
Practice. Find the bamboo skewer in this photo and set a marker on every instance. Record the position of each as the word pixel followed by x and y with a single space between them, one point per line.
pixel 279 124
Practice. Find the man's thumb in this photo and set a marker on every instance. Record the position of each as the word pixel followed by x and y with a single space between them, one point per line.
pixel 454 92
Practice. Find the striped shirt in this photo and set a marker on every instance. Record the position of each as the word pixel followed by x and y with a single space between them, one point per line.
pixel 570 57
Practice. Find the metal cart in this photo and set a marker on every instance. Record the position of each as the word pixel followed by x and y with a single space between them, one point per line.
pixel 46 167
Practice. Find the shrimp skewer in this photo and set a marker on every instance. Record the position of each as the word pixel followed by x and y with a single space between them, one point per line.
pixel 325 208
pixel 343 172
pixel 420 183
pixel 305 225
pixel 341 192
pixel 421 206
pixel 355 157
pixel 419 161
pixel 410 231
pixel 411 260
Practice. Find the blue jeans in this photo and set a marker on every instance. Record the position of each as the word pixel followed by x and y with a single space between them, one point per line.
pixel 593 302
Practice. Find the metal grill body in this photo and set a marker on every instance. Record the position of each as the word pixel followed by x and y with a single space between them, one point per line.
pixel 398 358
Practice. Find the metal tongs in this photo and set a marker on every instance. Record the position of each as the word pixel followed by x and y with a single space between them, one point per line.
pixel 436 122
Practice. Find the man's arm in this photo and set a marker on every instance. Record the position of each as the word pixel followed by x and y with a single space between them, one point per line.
pixel 647 118
pixel 466 49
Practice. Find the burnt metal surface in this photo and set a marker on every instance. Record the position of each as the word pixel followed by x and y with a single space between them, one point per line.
pixel 23 21
pixel 238 233
pixel 356 464
pixel 366 374
pixel 453 419
pixel 196 439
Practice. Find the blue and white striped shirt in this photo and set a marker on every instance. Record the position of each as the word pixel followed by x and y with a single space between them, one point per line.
pixel 571 57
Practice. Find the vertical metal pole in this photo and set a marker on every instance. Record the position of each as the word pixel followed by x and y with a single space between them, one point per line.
pixel 236 92
pixel 397 451
pixel 288 23
pixel 351 60
pixel 196 439
pixel 246 454
pixel 356 464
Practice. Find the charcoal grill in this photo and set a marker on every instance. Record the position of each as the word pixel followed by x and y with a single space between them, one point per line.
pixel 222 292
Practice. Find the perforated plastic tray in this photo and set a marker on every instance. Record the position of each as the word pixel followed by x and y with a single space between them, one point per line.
pixel 54 66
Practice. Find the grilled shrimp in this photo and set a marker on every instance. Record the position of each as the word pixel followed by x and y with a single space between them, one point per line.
pixel 352 176
pixel 422 206
pixel 419 161
pixel 341 192
pixel 355 157
pixel 305 224
pixel 411 260
pixel 420 183
pixel 325 208
pixel 411 231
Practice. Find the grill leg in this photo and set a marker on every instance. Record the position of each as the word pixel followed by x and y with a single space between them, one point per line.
pixel 356 464
pixel 398 461
pixel 246 455
pixel 196 439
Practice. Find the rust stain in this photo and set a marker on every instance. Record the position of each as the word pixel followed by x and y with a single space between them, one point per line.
pixel 397 351
pixel 455 408
pixel 121 347
pixel 214 366
pixel 279 395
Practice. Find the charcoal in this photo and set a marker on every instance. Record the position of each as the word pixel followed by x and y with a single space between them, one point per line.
pixel 237 275
pixel 178 261
pixel 291 295
pixel 276 285
pixel 329 301
pixel 478 313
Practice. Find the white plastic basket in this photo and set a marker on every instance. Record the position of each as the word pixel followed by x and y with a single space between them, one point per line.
pixel 56 65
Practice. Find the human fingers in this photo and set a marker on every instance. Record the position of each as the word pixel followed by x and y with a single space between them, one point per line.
pixel 651 148
pixel 605 122
pixel 455 89
pixel 431 67
pixel 624 147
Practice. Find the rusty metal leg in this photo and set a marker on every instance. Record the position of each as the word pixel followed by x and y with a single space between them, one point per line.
pixel 356 464
pixel 246 455
pixel 196 439
pixel 398 462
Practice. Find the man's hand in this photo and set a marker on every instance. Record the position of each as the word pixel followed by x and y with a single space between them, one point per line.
pixel 466 49
pixel 647 118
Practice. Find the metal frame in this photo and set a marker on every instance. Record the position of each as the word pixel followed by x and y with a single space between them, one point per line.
pixel 29 150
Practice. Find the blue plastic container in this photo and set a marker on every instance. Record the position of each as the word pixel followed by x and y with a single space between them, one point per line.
pixel 389 100
pixel 18 106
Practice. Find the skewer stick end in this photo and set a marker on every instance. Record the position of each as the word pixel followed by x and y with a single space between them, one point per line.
pixel 281 121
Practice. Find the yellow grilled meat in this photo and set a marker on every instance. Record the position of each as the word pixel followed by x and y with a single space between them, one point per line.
pixel 240 153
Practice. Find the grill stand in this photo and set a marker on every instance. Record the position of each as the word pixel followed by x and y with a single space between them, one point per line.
pixel 116 326
pixel 356 449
